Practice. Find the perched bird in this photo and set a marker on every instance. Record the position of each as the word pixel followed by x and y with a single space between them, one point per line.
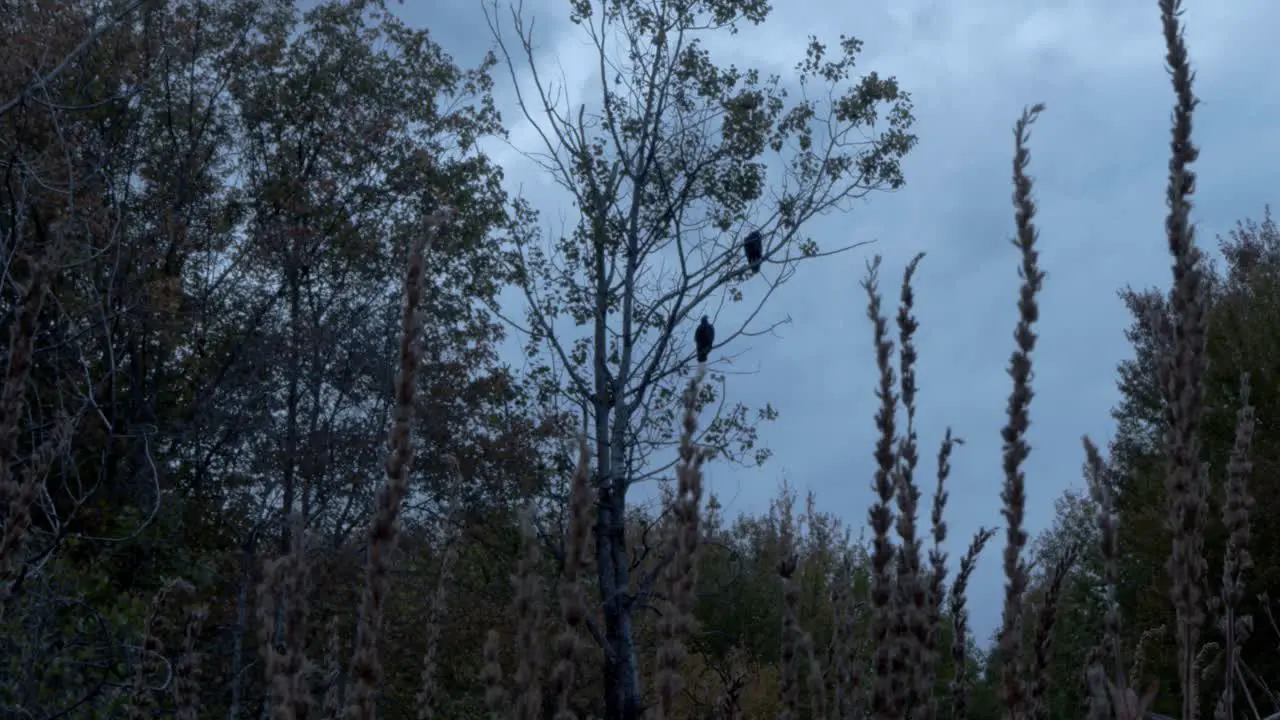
pixel 754 247
pixel 704 337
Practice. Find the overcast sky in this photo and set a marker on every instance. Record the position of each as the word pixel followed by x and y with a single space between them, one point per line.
pixel 1099 158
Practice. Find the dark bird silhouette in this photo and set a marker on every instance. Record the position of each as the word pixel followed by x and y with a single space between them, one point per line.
pixel 704 337
pixel 754 247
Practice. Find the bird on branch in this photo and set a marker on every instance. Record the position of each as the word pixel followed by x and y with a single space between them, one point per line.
pixel 753 245
pixel 704 337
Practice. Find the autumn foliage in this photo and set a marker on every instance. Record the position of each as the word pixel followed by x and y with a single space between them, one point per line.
pixel 259 453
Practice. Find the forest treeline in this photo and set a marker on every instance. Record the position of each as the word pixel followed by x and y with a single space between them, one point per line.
pixel 259 453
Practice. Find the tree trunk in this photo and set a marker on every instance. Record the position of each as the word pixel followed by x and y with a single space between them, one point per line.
pixel 290 459
pixel 621 669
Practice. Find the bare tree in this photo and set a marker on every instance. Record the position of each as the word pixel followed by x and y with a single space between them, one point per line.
pixel 675 162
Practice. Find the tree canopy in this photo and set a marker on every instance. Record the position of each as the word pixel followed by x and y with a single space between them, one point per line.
pixel 261 453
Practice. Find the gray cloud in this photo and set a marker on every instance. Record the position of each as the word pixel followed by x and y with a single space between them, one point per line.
pixel 1099 156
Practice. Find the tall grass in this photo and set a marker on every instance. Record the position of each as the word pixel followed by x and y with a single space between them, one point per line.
pixel 909 598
